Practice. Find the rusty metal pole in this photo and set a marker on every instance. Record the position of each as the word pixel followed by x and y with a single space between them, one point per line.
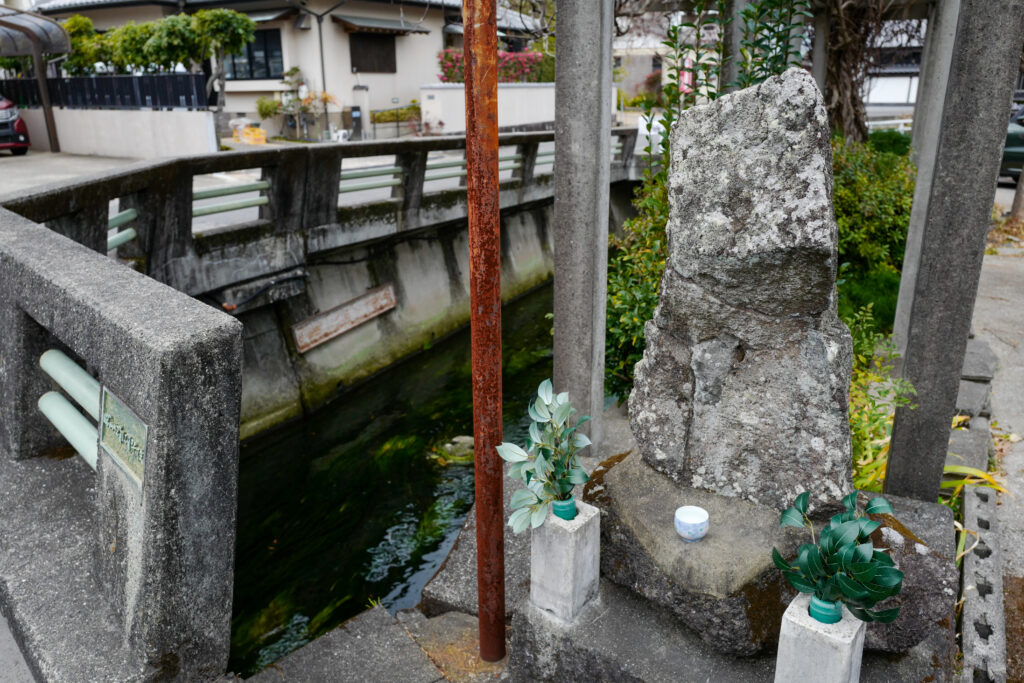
pixel 481 55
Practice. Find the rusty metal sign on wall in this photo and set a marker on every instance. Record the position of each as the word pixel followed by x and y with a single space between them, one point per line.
pixel 325 326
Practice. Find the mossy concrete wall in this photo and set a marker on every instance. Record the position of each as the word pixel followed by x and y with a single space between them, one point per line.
pixel 429 270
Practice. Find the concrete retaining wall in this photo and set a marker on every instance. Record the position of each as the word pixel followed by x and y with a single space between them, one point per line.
pixel 130 133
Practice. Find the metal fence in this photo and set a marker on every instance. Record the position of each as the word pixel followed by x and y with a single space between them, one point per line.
pixel 162 91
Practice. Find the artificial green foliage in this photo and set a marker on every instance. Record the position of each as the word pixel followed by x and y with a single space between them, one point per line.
pixel 872 194
pixel 843 565
pixel 549 466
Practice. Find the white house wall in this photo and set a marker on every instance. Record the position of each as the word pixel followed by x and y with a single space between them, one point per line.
pixel 892 90
pixel 415 59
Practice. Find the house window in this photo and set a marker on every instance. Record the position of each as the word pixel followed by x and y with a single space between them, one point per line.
pixel 372 53
pixel 656 63
pixel 262 58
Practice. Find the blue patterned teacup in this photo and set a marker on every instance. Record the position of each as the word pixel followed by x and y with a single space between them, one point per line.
pixel 691 522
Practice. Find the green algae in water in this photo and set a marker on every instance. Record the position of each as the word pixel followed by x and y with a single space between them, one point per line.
pixel 348 506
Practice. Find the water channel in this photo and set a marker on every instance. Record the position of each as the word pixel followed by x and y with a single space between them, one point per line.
pixel 358 503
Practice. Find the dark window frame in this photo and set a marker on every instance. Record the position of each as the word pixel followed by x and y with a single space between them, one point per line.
pixel 270 63
pixel 359 46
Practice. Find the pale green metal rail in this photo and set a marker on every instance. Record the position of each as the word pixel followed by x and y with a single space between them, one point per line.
pixel 82 434
pixel 257 186
pixel 125 236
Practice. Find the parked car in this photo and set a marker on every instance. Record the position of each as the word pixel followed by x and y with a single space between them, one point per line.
pixel 13 131
pixel 1013 151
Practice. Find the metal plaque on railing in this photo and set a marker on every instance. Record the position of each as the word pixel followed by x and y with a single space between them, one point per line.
pixel 123 435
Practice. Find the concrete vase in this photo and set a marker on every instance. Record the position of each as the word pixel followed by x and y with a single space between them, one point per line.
pixel 814 651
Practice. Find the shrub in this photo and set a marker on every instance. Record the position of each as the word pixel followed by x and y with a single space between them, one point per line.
pixel 872 194
pixel 409 113
pixel 889 141
pixel 513 67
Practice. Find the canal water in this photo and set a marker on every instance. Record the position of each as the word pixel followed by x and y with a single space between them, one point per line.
pixel 358 504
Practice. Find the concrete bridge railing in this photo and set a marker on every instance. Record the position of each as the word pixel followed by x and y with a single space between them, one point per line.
pixel 304 204
pixel 125 573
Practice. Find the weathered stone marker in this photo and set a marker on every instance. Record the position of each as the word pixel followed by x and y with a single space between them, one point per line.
pixel 743 387
pixel 740 401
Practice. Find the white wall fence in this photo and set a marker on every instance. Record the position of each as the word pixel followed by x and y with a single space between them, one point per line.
pixel 131 133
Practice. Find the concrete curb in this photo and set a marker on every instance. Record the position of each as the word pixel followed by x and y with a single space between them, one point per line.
pixel 983 621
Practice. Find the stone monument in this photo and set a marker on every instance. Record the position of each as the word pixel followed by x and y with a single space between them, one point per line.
pixel 740 401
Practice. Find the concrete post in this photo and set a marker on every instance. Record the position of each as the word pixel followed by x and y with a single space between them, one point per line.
pixel 733 36
pixel 414 169
pixel 931 94
pixel 583 76
pixel 565 559
pixel 819 67
pixel 812 651
pixel 938 290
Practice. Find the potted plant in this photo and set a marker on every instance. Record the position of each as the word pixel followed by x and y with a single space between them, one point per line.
pixel 549 465
pixel 841 567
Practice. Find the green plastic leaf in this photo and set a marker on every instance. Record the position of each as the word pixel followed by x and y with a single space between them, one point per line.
pixel 519 520
pixel 863 552
pixel 867 526
pixel 516 470
pixel 863 571
pixel 878 506
pixel 562 397
pixel 578 475
pixel 801 502
pixel 542 409
pixel 882 558
pixel 540 513
pixel 850 588
pixel 779 561
pixel 846 533
pixel 580 440
pixel 850 502
pixel 792 517
pixel 562 413
pixel 512 452
pixel 799 583
pixel 860 613
pixel 522 498
pixel 888 576
pixel 535 433
pixel 545 391
pixel 814 563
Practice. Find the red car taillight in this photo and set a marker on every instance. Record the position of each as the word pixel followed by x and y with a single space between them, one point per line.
pixel 20 127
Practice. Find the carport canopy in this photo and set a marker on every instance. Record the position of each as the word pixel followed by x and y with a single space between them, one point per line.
pixel 23 34
pixel 17 27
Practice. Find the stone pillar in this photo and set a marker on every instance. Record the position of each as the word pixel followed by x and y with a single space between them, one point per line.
pixel 583 144
pixel 931 94
pixel 944 257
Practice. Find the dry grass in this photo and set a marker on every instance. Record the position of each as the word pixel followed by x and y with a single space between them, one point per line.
pixel 1005 231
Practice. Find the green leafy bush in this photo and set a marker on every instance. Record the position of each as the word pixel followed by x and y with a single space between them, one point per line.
pixel 891 141
pixel 843 565
pixel 872 194
pixel 409 113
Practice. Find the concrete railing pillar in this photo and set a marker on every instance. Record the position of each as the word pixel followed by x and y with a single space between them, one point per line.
pixel 414 169
pixel 943 259
pixel 581 175
pixel 287 191
pixel 527 161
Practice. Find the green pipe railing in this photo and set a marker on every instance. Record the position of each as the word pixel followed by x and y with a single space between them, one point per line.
pixel 119 219
pixel 123 237
pixel 231 189
pixel 230 206
pixel 80 433
pixel 78 383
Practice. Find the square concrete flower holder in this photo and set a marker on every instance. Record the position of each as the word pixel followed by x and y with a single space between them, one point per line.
pixel 812 651
pixel 565 560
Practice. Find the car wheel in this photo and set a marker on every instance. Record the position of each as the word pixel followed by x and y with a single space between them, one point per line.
pixel 19 151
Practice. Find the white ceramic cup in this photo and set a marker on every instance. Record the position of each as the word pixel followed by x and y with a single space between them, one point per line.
pixel 691 522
